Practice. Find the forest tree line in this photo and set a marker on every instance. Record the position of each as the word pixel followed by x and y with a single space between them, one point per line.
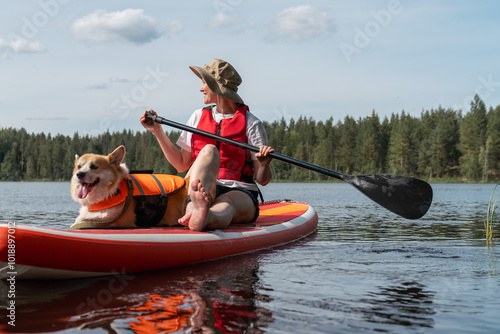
pixel 441 144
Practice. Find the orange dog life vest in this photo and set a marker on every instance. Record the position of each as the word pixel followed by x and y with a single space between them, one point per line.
pixel 151 192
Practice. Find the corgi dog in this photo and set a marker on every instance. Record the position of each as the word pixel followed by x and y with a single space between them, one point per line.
pixel 97 178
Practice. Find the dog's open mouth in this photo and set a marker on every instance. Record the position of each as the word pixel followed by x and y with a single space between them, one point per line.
pixel 85 188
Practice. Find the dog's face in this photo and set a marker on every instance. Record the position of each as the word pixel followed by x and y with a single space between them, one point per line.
pixel 97 177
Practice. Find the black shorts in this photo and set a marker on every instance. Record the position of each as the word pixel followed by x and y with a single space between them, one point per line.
pixel 219 190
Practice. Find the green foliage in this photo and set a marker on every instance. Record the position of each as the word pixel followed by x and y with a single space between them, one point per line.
pixel 368 145
pixel 492 154
pixel 26 156
pixel 441 145
pixel 438 150
pixel 491 216
pixel 473 141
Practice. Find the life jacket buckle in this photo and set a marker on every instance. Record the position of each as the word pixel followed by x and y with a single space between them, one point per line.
pixel 163 201
pixel 142 202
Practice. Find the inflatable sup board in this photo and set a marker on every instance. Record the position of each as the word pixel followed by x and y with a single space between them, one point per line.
pixel 28 252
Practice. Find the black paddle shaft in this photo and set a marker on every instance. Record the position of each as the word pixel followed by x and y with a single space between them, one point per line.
pixel 406 196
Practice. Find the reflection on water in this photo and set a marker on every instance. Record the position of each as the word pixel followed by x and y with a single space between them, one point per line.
pixel 406 304
pixel 218 295
pixel 364 270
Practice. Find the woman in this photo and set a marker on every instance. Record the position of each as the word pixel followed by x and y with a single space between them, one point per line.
pixel 221 189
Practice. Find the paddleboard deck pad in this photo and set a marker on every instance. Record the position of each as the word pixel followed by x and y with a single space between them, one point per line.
pixel 28 252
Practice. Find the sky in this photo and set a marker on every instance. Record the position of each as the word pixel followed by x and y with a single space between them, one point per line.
pixel 70 66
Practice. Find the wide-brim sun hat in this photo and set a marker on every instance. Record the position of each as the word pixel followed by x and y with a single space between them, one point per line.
pixel 221 77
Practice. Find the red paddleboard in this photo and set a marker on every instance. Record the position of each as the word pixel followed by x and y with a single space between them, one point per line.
pixel 28 252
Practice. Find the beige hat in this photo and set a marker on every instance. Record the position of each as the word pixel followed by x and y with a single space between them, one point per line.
pixel 221 77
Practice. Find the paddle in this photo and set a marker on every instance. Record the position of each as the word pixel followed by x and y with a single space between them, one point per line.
pixel 403 195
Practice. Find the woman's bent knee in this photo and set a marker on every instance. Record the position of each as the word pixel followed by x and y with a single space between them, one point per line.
pixel 209 155
pixel 209 149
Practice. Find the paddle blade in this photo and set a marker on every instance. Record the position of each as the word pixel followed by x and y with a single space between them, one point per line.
pixel 403 195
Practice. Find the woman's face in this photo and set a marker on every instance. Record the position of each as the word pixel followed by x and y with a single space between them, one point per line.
pixel 208 95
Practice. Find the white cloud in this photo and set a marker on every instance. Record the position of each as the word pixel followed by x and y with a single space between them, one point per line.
pixel 119 80
pixel 227 23
pixel 20 46
pixel 175 27
pixel 130 25
pixel 105 85
pixel 100 86
pixel 301 23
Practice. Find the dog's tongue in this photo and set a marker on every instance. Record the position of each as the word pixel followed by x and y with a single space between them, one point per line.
pixel 83 191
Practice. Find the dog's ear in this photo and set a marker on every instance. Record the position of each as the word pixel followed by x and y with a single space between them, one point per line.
pixel 117 156
pixel 77 157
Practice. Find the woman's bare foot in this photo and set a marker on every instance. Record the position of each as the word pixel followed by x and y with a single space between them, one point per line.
pixel 184 220
pixel 197 210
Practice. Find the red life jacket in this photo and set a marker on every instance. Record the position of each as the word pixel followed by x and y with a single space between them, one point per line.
pixel 236 163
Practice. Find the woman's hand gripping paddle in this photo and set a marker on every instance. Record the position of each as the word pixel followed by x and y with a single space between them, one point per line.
pixel 403 195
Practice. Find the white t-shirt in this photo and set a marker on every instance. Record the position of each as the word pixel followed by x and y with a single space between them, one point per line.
pixel 256 135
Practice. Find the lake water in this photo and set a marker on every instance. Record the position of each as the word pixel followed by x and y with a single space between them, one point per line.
pixel 364 270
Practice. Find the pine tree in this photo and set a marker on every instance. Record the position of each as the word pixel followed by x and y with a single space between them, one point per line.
pixel 402 151
pixel 438 150
pixel 345 149
pixel 369 141
pixel 473 141
pixel 493 143
pixel 323 152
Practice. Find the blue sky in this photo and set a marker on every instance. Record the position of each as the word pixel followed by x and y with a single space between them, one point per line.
pixel 90 66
